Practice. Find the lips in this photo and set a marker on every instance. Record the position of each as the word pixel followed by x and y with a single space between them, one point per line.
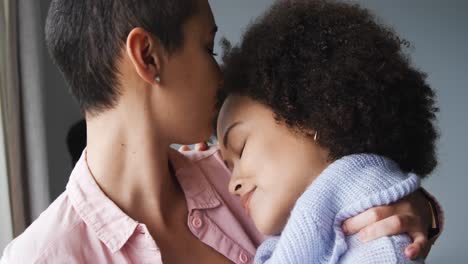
pixel 245 200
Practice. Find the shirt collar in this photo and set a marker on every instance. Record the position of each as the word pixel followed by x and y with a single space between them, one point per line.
pixel 109 222
pixel 101 214
pixel 199 192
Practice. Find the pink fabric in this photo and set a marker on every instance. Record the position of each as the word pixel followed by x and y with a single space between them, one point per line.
pixel 84 226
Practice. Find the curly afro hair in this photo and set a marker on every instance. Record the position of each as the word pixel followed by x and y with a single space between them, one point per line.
pixel 331 67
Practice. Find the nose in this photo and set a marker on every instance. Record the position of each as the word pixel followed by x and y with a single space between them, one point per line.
pixel 235 186
pixel 240 185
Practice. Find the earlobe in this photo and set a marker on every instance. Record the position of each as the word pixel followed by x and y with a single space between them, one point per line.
pixel 144 51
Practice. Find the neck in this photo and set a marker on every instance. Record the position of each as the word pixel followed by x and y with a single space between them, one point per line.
pixel 128 157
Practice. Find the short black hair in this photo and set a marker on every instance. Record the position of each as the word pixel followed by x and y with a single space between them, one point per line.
pixel 85 39
pixel 331 67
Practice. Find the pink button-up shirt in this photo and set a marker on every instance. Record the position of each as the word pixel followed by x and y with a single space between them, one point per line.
pixel 84 226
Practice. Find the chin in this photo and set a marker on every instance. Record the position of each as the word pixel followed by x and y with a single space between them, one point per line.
pixel 267 227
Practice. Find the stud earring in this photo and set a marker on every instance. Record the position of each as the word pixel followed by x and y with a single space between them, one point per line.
pixel 157 79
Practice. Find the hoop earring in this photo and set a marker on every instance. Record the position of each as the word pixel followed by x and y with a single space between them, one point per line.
pixel 316 136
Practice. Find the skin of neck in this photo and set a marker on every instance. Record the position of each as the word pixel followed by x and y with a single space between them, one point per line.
pixel 127 154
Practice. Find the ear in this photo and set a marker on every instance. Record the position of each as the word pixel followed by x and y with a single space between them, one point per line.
pixel 145 53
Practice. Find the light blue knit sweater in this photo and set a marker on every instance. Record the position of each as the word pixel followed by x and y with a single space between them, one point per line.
pixel 344 189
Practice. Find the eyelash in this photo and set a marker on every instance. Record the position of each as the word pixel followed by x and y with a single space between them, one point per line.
pixel 240 155
pixel 242 150
pixel 212 53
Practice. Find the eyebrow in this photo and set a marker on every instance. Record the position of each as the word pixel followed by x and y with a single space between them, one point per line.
pixel 226 133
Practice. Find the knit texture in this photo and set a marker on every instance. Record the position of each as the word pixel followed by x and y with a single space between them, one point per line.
pixel 347 187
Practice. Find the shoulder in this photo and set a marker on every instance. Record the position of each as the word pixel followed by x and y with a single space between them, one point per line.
pixel 51 231
pixel 383 250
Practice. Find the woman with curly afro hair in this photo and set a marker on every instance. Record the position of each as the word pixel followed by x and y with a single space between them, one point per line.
pixel 323 117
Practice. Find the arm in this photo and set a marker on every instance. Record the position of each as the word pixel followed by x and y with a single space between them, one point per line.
pixel 437 219
pixel 413 215
pixel 381 250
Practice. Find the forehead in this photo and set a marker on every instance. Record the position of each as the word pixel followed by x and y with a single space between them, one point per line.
pixel 228 110
pixel 226 115
pixel 235 109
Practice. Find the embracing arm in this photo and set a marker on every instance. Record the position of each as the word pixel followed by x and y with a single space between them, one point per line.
pixel 419 215
pixel 378 251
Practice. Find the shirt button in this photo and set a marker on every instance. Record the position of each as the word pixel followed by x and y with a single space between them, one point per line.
pixel 197 222
pixel 243 257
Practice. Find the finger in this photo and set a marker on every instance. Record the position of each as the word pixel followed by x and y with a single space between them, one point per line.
pixel 201 146
pixel 184 148
pixel 420 246
pixel 356 223
pixel 393 225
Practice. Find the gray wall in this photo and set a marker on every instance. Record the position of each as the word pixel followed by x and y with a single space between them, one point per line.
pixel 437 30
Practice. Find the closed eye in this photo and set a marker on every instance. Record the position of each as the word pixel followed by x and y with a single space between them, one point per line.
pixel 242 150
pixel 211 51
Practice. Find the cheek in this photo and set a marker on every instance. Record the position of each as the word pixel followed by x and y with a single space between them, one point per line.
pixel 280 182
pixel 271 210
pixel 197 100
pixel 204 86
pixel 186 120
pixel 278 179
pixel 273 201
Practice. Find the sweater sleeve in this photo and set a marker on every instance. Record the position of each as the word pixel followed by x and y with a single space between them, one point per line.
pixel 385 250
pixel 300 242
